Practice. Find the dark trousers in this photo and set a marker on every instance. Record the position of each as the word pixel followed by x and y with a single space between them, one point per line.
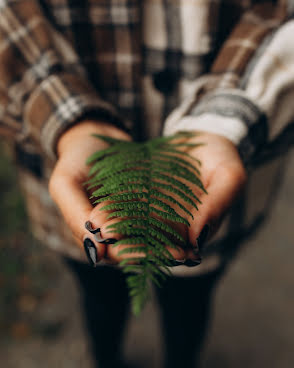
pixel 185 305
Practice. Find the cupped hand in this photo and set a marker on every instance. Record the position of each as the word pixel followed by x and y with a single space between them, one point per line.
pixel 66 185
pixel 222 174
pixel 223 177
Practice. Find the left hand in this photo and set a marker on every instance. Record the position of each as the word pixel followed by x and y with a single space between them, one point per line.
pixel 223 176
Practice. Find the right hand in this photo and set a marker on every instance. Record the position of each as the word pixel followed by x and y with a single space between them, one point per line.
pixel 70 172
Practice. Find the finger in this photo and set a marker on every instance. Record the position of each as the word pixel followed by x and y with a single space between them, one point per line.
pixel 223 188
pixel 109 235
pixel 120 252
pixel 104 235
pixel 73 202
pixel 100 218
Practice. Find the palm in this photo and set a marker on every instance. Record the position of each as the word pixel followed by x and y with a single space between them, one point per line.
pixel 218 155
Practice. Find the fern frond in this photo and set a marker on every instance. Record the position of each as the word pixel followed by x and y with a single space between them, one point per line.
pixel 118 188
pixel 125 206
pixel 127 213
pixel 173 158
pixel 110 161
pixel 177 184
pixel 178 170
pixel 166 207
pixel 130 241
pixel 160 236
pixel 167 228
pixel 141 223
pixel 169 216
pixel 122 177
pixel 123 197
pixel 132 250
pixel 141 184
pixel 138 231
pixel 103 153
pixel 180 153
pixel 186 145
pixel 120 167
pixel 170 199
pixel 175 191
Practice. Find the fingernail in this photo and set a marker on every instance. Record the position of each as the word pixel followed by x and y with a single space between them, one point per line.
pixel 89 227
pixel 91 251
pixel 203 236
pixel 192 263
pixel 108 241
pixel 177 262
pixel 97 234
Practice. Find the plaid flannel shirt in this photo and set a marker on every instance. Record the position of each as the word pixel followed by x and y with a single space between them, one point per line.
pixel 152 67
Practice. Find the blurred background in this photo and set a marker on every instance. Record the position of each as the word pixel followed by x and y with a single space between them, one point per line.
pixel 252 326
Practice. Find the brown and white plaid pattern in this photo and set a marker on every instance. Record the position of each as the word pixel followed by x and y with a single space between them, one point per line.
pixel 223 98
pixel 149 66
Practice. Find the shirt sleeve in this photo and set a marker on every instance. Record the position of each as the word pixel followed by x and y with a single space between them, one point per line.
pixel 247 95
pixel 43 88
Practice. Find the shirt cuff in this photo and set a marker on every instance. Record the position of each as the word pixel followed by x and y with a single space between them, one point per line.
pixel 228 114
pixel 60 101
pixel 231 128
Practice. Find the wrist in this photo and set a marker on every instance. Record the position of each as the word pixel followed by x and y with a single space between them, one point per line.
pixel 84 129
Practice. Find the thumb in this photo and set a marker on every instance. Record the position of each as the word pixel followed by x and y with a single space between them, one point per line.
pixel 223 188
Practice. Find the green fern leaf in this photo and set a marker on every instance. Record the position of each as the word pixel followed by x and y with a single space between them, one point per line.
pixel 170 216
pixel 127 213
pixel 103 153
pixel 123 197
pixel 162 205
pixel 125 206
pixel 178 170
pixel 170 199
pixel 133 250
pixel 176 184
pixel 175 191
pixel 119 188
pixel 173 158
pixel 130 241
pixel 122 227
pixel 167 228
pixel 120 167
pixel 138 183
pixel 180 153
pixel 124 177
pixel 109 161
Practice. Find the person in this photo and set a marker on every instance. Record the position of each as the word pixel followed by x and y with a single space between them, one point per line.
pixel 135 70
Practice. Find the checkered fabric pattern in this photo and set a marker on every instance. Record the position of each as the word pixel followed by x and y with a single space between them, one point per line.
pixel 151 67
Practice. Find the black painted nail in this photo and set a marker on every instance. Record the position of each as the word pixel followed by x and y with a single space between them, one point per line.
pixel 108 241
pixel 203 236
pixel 89 227
pixel 91 251
pixel 97 233
pixel 192 263
pixel 177 262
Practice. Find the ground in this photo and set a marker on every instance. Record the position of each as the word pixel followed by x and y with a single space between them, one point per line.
pixel 253 313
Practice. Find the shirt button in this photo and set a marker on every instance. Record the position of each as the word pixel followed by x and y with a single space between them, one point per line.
pixel 165 81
